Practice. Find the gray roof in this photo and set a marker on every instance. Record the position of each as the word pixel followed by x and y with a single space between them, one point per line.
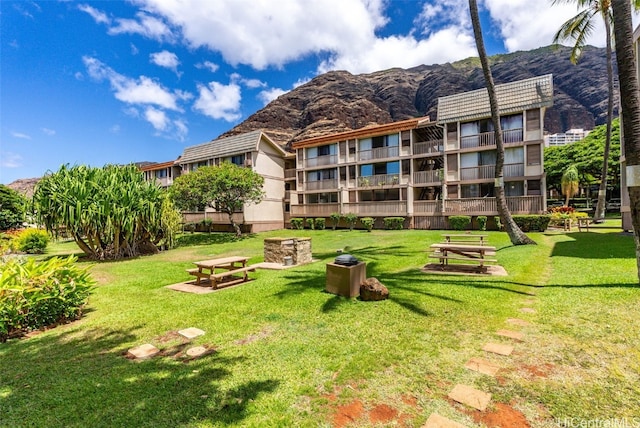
pixel 512 98
pixel 223 147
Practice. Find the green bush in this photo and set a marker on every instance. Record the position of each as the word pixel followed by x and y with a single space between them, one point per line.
pixel 459 222
pixel 335 219
pixel 367 222
pixel 207 224
pixel 482 222
pixel 311 223
pixel 32 241
pixel 320 223
pixel 496 219
pixel 37 294
pixel 297 223
pixel 532 223
pixel 351 220
pixel 393 223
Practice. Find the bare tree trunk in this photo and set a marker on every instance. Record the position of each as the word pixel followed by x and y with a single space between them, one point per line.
pixel 598 215
pixel 630 109
pixel 516 235
pixel 235 226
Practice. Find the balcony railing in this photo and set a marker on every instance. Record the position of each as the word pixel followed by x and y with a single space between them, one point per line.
pixel 379 180
pixel 290 173
pixel 322 184
pixel 321 160
pixel 426 147
pixel 487 138
pixel 314 210
pixel 427 177
pixel 427 207
pixel 379 153
pixel 377 208
pixel 485 172
pixel 488 206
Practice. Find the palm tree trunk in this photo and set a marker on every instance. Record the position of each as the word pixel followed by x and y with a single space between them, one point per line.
pixel 516 235
pixel 630 109
pixel 598 216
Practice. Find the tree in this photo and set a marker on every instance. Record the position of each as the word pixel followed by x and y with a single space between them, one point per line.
pixel 630 109
pixel 570 183
pixel 516 235
pixel 12 208
pixel 578 29
pixel 110 212
pixel 227 188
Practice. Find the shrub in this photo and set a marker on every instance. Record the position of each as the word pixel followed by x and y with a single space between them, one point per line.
pixel 482 222
pixel 367 222
pixel 320 223
pixel 297 223
pixel 32 241
pixel 459 222
pixel 206 223
pixel 310 223
pixel 498 222
pixel 351 220
pixel 393 223
pixel 335 219
pixel 34 295
pixel 532 223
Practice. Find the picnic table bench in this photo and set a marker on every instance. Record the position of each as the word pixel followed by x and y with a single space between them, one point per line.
pixel 227 267
pixel 465 238
pixel 466 254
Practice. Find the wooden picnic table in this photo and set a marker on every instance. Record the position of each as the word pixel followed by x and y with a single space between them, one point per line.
pixel 464 238
pixel 463 253
pixel 216 270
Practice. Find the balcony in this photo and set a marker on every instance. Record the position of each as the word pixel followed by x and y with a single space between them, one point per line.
pixel 428 147
pixel 322 184
pixel 314 210
pixel 290 173
pixel 376 208
pixel 488 172
pixel 427 177
pixel 488 206
pixel 379 180
pixel 321 161
pixel 487 139
pixel 379 153
pixel 427 207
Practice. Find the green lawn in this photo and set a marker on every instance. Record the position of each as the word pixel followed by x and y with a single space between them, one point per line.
pixel 288 354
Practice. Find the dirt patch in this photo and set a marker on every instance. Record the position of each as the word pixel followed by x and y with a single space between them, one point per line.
pixel 170 336
pixel 410 400
pixel 382 413
pixel 543 370
pixel 504 416
pixel 348 413
pixel 253 337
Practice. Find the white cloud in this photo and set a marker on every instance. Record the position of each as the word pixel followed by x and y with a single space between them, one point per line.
pixel 134 49
pixel 20 135
pixel 181 129
pixel 165 59
pixel 10 160
pixel 48 131
pixel 97 15
pixel 146 25
pixel 219 101
pixel 144 90
pixel 269 95
pixel 249 83
pixel 212 67
pixel 164 126
pixel 157 118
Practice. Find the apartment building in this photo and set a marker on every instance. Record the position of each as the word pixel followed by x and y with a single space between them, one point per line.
pixel 161 173
pixel 564 138
pixel 426 171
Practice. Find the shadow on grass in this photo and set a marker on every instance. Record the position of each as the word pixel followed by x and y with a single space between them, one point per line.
pixel 201 238
pixel 590 245
pixel 98 386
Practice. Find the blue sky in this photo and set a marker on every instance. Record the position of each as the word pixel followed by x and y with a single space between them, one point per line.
pixel 97 82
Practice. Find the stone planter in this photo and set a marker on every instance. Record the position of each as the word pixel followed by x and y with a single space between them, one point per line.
pixel 345 280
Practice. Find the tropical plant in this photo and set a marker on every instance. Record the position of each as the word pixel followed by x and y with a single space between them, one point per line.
pixel 12 208
pixel 110 212
pixel 320 223
pixel 297 223
pixel 482 222
pixel 32 241
pixel 570 183
pixel 335 219
pixel 630 108
pixel 393 223
pixel 351 219
pixel 516 235
pixel 367 222
pixel 227 188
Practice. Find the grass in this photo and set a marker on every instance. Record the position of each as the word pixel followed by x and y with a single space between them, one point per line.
pixel 288 354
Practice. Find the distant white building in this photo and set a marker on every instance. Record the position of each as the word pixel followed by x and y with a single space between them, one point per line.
pixel 568 137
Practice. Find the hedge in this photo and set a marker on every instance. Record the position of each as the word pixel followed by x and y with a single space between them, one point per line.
pixel 532 223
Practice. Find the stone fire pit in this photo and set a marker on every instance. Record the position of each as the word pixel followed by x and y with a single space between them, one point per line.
pixel 297 249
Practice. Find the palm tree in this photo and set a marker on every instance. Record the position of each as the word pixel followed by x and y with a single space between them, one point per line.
pixel 630 109
pixel 516 235
pixel 578 29
pixel 570 183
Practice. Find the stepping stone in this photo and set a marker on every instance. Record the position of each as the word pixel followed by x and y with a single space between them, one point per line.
pixel 196 351
pixel 470 396
pixel 437 421
pixel 516 335
pixel 191 332
pixel 518 321
pixel 528 310
pixel 498 348
pixel 144 351
pixel 482 366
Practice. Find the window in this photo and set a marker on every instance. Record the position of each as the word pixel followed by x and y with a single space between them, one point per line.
pixel 161 173
pixel 533 120
pixel 237 160
pixel 534 155
pixel 322 198
pixel 533 187
pixel 352 147
pixel 514 188
pixel 322 174
pixel 513 121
